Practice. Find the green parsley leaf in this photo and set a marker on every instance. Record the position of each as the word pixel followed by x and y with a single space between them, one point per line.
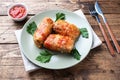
pixel 84 32
pixel 60 16
pixel 76 54
pixel 44 56
pixel 45 53
pixel 31 28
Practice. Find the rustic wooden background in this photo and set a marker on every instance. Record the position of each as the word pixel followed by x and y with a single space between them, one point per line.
pixel 98 65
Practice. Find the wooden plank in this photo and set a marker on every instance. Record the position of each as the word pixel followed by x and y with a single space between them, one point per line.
pixel 92 67
pixel 57 74
pixel 113 19
pixel 11 51
pixel 10 55
pixel 6 0
pixel 64 0
pixel 20 74
pixel 43 74
pixel 7 34
pixel 35 7
pixel 107 7
pixel 55 0
pixel 31 1
pixel 97 76
pixel 17 72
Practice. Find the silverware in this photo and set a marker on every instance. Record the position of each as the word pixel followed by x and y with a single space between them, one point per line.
pixel 99 11
pixel 95 14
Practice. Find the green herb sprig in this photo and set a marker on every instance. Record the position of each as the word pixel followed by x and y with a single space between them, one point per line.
pixel 44 57
pixel 60 16
pixel 31 28
pixel 84 32
pixel 75 54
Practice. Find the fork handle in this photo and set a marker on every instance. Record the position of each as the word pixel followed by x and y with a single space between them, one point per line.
pixel 113 38
pixel 107 40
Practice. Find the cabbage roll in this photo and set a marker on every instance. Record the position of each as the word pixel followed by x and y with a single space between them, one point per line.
pixel 67 29
pixel 42 31
pixel 56 42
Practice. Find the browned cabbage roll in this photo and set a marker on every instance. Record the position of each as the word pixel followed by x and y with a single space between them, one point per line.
pixel 56 42
pixel 42 31
pixel 64 28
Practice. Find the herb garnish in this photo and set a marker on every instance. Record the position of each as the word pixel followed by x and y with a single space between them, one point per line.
pixel 84 32
pixel 44 56
pixel 76 54
pixel 31 28
pixel 60 16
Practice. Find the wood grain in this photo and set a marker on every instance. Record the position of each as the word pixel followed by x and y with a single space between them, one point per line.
pixel 7 34
pixel 39 6
pixel 89 68
pixel 98 65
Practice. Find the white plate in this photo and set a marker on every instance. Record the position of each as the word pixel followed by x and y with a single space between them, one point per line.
pixel 59 61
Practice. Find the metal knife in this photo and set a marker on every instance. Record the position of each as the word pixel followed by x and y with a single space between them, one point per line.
pixel 99 11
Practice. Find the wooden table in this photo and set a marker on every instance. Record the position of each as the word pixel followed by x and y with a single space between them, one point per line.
pixel 98 65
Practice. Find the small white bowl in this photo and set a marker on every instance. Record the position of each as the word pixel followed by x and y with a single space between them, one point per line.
pixel 18 4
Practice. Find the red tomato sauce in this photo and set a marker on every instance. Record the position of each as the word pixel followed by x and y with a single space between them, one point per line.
pixel 17 12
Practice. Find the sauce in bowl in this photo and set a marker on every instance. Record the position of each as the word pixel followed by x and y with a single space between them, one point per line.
pixel 17 11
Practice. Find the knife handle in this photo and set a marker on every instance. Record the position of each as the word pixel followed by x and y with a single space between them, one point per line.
pixel 113 38
pixel 107 40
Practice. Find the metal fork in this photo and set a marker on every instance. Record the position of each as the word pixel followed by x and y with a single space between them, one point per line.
pixel 95 14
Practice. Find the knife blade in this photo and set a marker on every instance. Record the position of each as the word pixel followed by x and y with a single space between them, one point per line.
pixel 99 11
